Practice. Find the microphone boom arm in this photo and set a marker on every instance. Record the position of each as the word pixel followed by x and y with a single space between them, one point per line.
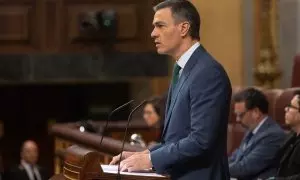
pixel 124 139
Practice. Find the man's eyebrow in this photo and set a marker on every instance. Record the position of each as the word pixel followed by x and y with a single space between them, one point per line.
pixel 159 23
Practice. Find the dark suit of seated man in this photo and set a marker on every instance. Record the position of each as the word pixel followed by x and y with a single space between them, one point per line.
pixel 289 153
pixel 255 156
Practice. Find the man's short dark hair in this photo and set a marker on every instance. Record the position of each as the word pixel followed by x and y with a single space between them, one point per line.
pixel 183 10
pixel 253 98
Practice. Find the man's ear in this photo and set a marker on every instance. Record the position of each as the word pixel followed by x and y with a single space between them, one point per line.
pixel 256 112
pixel 184 28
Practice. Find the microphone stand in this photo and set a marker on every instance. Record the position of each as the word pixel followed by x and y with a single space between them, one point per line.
pixel 109 116
pixel 124 139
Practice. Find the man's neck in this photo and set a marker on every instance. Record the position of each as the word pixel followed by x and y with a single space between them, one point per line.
pixel 183 48
pixel 26 163
pixel 258 122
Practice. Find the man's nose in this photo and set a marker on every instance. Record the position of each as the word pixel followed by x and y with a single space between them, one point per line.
pixel 286 109
pixel 153 33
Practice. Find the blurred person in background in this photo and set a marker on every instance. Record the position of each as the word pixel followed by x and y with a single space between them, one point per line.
pixel 289 153
pixel 255 156
pixel 153 115
pixel 28 168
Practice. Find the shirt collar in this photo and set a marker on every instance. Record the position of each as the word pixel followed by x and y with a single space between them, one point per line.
pixel 186 56
pixel 31 170
pixel 25 164
pixel 259 125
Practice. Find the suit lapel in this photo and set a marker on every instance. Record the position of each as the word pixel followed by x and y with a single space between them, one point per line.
pixel 168 100
pixel 173 98
pixel 257 135
pixel 174 91
pixel 24 172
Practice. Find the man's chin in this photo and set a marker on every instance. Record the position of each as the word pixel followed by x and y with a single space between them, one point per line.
pixel 244 125
pixel 287 122
pixel 160 51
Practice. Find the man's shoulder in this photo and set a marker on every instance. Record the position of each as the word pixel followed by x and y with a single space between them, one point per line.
pixel 208 68
pixel 207 61
pixel 15 172
pixel 272 130
pixel 16 168
pixel 274 126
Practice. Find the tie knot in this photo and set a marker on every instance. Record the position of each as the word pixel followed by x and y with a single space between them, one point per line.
pixel 249 136
pixel 175 74
pixel 177 68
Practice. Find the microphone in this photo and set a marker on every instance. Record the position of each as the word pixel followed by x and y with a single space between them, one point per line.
pixel 109 116
pixel 137 139
pixel 123 143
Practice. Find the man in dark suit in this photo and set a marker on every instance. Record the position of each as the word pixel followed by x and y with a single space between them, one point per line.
pixel 255 157
pixel 28 168
pixel 289 153
pixel 195 130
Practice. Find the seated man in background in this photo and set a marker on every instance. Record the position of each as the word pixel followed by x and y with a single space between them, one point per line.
pixel 289 153
pixel 255 157
pixel 28 168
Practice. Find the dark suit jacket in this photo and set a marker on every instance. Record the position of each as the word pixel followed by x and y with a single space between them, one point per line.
pixel 289 158
pixel 19 173
pixel 257 159
pixel 195 131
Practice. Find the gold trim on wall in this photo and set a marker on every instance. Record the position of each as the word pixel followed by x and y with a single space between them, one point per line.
pixel 266 72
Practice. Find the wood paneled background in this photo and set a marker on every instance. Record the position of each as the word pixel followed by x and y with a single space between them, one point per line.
pixel 35 32
pixel 29 26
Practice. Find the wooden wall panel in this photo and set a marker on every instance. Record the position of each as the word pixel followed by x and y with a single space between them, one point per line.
pixel 127 34
pixel 52 29
pixel 127 25
pixel 52 26
pixel 15 23
pixel 131 35
pixel 18 32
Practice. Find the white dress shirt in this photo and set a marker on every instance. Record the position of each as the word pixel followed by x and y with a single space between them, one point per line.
pixel 255 130
pixel 30 172
pixel 186 56
pixel 259 125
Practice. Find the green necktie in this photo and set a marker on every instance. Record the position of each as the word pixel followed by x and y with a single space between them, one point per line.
pixel 175 77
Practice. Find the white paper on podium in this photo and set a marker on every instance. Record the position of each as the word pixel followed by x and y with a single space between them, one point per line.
pixel 113 169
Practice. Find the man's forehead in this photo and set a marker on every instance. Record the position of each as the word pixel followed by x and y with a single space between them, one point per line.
pixel 162 15
pixel 239 105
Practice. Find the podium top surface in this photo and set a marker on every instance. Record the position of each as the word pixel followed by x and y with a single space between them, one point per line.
pixel 109 145
pixel 113 169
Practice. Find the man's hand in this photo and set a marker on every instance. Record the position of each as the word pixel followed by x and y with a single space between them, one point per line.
pixel 125 155
pixel 137 162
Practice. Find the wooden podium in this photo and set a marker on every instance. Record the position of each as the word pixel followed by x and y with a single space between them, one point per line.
pixel 66 135
pixel 82 156
pixel 84 164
